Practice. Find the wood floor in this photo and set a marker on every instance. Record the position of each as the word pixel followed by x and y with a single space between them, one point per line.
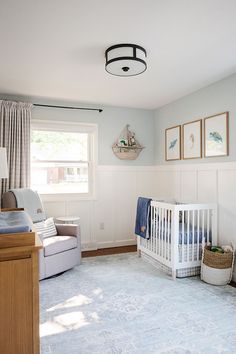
pixel 108 251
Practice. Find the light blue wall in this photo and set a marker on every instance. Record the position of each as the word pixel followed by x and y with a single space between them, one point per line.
pixel 148 125
pixel 216 98
pixel 110 123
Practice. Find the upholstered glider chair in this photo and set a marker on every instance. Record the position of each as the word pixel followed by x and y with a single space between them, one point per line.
pixel 61 242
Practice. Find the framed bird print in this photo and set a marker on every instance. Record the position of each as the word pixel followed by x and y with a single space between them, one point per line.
pixel 192 140
pixel 216 133
pixel 173 143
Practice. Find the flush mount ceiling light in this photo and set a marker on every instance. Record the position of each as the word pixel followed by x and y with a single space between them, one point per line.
pixel 125 60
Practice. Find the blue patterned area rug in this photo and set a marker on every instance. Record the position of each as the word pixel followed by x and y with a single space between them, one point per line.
pixel 121 304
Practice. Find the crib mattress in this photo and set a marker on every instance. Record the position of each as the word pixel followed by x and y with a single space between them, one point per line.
pixel 186 235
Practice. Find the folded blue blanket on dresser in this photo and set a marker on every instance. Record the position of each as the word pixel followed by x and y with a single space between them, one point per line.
pixel 14 222
pixel 14 229
pixel 143 219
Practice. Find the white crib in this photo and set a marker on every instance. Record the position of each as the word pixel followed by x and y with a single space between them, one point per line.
pixel 176 236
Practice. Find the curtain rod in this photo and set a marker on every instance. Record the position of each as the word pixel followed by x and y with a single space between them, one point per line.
pixel 68 107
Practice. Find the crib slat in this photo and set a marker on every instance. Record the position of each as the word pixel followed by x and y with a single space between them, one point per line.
pixel 203 224
pixel 182 254
pixel 208 224
pixel 198 221
pixel 188 212
pixel 155 223
pixel 193 234
pixel 168 235
pixel 159 235
pixel 211 226
pixel 159 230
pixel 162 232
pixel 162 212
pixel 163 235
pixel 151 240
pixel 152 221
pixel 165 225
pixel 157 226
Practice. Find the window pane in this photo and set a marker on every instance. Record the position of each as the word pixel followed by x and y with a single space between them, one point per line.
pixel 55 177
pixel 59 146
pixel 59 162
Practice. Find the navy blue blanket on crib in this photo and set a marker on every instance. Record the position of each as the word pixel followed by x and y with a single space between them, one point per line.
pixel 14 222
pixel 143 217
pixel 183 236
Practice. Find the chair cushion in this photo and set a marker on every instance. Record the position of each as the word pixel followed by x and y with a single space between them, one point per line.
pixel 47 228
pixel 57 244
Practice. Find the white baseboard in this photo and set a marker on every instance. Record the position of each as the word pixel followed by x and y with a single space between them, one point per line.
pixel 99 245
pixel 89 246
pixel 116 244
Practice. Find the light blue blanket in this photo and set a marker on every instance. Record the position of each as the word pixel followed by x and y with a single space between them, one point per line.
pixel 14 222
pixel 29 200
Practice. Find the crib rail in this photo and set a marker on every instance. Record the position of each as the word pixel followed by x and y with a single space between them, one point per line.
pixel 177 232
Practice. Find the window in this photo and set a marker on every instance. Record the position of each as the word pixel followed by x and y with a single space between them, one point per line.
pixel 62 158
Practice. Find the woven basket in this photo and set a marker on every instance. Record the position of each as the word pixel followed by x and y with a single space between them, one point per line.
pixel 217 260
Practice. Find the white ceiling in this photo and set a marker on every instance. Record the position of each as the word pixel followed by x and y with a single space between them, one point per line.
pixel 55 48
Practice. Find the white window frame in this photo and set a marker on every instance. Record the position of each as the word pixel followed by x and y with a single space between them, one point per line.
pixel 63 126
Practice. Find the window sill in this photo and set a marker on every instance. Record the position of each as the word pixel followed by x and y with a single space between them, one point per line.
pixel 66 197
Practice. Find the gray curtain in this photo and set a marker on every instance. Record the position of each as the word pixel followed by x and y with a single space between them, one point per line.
pixel 15 119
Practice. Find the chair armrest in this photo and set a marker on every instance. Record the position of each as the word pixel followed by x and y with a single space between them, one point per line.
pixel 68 230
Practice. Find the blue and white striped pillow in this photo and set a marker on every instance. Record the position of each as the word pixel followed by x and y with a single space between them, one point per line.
pixel 47 228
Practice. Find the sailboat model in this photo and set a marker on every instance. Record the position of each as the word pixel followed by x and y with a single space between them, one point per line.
pixel 127 147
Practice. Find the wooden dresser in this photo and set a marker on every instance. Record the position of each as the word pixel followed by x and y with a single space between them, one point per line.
pixel 19 299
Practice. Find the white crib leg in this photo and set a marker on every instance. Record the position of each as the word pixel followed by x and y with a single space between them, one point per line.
pixel 174 274
pixel 138 247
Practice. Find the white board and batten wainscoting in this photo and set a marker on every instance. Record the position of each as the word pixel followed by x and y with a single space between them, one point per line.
pixel 108 220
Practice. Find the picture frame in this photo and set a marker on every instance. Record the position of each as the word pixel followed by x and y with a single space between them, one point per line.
pixel 192 140
pixel 173 143
pixel 216 135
